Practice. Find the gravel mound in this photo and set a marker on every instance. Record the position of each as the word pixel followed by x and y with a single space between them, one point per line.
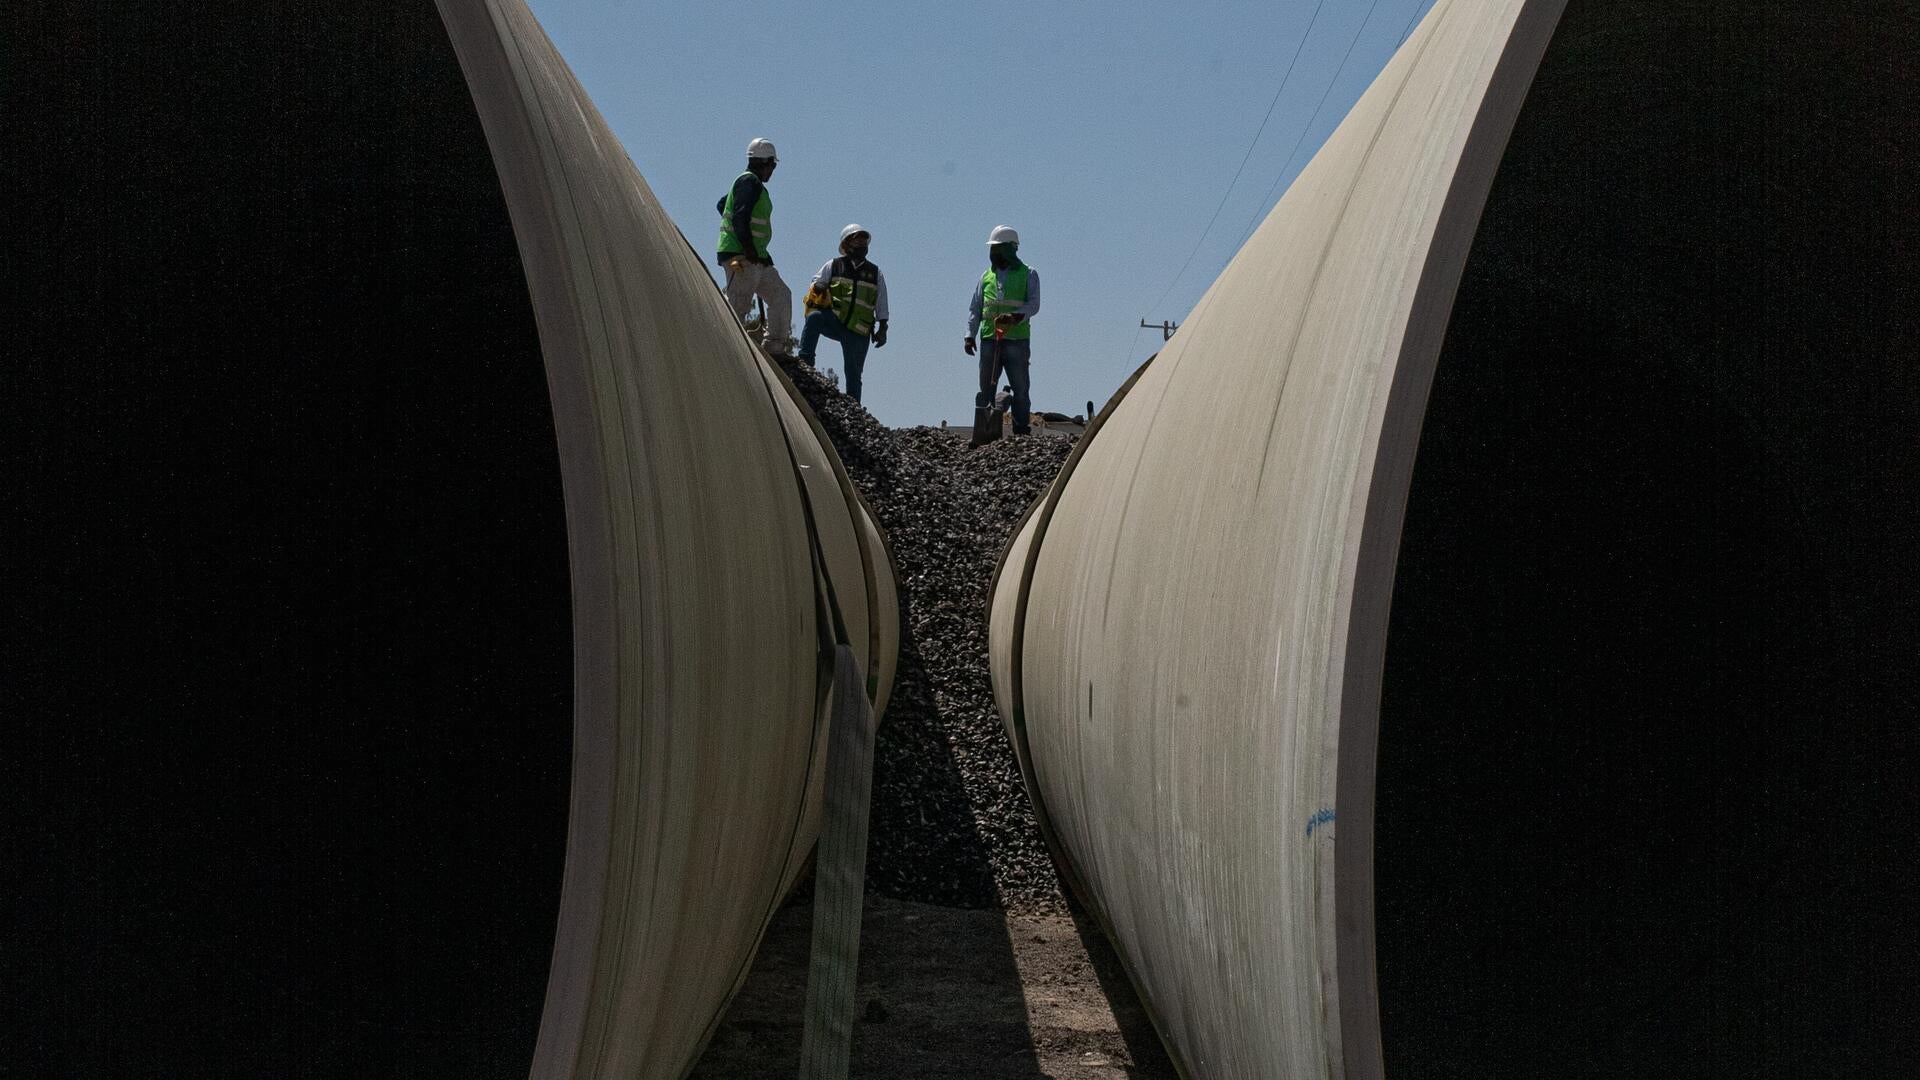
pixel 951 823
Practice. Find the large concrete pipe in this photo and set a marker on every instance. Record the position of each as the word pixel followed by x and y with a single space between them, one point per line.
pixel 417 586
pixel 1642 690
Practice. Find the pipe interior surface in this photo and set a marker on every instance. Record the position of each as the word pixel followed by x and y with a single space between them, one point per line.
pixel 1646 743
pixel 281 474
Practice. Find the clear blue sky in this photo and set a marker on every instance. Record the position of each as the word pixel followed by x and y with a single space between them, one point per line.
pixel 1106 133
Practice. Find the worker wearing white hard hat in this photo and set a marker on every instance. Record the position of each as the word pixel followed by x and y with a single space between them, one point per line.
pixel 847 302
pixel 1005 301
pixel 746 228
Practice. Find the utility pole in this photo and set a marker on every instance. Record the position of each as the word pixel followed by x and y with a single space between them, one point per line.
pixel 1166 328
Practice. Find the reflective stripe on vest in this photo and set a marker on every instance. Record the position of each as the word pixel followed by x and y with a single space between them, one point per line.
pixel 855 291
pixel 1002 294
pixel 762 220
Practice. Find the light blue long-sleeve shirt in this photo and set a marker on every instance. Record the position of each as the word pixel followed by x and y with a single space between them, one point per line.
pixel 1029 309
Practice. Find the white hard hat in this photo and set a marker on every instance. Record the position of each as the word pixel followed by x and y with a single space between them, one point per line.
pixel 853 230
pixel 1002 234
pixel 761 150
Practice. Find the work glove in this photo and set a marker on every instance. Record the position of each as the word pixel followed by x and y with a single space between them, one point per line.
pixel 880 334
pixel 969 345
pixel 736 264
pixel 818 298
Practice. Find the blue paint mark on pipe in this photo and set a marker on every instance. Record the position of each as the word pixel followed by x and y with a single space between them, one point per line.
pixel 1323 816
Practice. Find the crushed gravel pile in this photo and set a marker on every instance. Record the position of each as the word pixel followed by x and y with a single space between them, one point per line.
pixel 951 822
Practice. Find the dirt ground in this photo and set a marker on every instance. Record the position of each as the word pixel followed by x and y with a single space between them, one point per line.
pixel 950 993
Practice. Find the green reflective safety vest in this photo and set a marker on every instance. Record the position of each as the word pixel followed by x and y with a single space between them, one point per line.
pixel 855 291
pixel 1002 294
pixel 762 221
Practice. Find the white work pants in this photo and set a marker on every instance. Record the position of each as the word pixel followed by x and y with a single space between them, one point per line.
pixel 763 280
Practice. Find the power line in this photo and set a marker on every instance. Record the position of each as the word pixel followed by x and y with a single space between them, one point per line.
pixel 1266 201
pixel 1243 162
pixel 1419 7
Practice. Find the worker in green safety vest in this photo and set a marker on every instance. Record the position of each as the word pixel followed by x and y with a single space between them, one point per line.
pixel 1004 304
pixel 848 303
pixel 746 227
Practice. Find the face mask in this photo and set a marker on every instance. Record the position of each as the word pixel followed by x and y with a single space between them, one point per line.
pixel 1000 255
pixel 857 251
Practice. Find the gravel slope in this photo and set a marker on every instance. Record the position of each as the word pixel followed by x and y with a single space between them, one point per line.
pixel 951 822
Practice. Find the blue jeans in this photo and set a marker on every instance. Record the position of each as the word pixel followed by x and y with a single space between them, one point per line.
pixel 853 347
pixel 1012 359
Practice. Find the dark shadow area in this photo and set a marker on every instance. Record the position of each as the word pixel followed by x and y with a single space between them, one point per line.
pixel 1144 1048
pixel 286 632
pixel 923 843
pixel 1648 742
pixel 940 996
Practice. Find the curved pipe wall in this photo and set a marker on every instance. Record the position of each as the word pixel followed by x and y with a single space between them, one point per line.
pixel 1636 563
pixel 1201 631
pixel 692 812
pixel 426 582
